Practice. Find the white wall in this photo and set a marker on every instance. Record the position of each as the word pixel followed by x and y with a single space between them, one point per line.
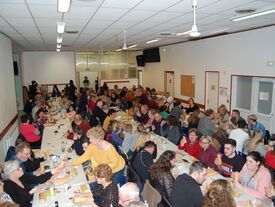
pixel 47 67
pixel 243 53
pixel 8 108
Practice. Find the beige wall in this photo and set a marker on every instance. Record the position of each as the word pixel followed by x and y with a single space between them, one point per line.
pixel 243 53
pixel 8 108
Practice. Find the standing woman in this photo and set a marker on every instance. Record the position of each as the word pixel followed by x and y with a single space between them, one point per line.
pixel 71 91
pixel 161 177
pixel 99 152
pixel 254 178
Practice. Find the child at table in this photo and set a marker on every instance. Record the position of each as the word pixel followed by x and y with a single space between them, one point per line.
pixel 130 138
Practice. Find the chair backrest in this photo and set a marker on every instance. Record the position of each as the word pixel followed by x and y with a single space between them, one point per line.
pixel 150 194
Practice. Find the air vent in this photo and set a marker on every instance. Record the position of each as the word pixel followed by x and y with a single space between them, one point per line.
pixel 71 32
pixel 245 11
pixel 166 33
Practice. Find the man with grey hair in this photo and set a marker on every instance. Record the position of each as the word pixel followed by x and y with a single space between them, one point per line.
pixel 186 190
pixel 253 125
pixel 128 193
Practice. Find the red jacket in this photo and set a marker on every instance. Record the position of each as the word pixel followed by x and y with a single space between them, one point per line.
pixel 270 159
pixel 191 150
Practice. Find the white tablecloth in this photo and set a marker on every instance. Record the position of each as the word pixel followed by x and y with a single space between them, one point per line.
pixel 183 167
pixel 53 140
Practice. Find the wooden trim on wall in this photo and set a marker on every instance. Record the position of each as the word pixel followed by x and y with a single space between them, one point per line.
pixel 6 129
pixel 186 102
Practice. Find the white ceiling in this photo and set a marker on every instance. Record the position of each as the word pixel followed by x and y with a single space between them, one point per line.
pixel 32 23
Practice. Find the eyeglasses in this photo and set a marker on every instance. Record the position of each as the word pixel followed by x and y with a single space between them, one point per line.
pixel 205 142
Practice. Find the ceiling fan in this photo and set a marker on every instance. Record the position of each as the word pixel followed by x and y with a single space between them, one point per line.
pixel 125 46
pixel 194 32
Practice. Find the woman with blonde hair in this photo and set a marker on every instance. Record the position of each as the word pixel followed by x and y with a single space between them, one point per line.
pixel 99 152
pixel 255 144
pixel 223 113
pixel 220 193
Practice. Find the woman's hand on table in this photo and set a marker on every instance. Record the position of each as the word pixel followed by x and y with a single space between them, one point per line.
pixel 35 190
pixel 236 176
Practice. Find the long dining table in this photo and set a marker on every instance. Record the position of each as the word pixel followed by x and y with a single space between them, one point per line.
pixel 183 163
pixel 72 180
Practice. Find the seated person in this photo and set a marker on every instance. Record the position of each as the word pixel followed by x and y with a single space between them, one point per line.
pixel 111 116
pixel 206 125
pixel 78 137
pixel 98 115
pixel 230 162
pixel 270 158
pixel 40 120
pixel 192 144
pixel 130 138
pixel 80 122
pixel 156 123
pixel 142 115
pixel 28 130
pixel 240 135
pixel 254 178
pixel 18 184
pixel 121 104
pixel 171 132
pixel 128 193
pixel 207 153
pixel 192 106
pixel 161 177
pixel 71 112
pixel 108 193
pixel 151 115
pixel 186 190
pixel 220 193
pixel 144 160
pixel 255 144
pixel 236 119
pixel 254 125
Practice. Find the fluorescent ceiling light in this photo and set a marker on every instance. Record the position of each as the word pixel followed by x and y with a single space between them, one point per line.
pixel 253 15
pixel 118 49
pixel 59 40
pixel 132 46
pixel 63 5
pixel 58 50
pixel 58 46
pixel 61 27
pixel 151 41
pixel 184 33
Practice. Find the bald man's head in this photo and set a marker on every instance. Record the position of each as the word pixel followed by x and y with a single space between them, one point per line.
pixel 127 193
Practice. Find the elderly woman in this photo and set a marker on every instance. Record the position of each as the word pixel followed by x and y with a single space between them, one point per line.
pixel 99 152
pixel 17 184
pixel 108 194
pixel 254 178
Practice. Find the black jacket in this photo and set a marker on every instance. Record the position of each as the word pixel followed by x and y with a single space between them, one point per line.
pixel 21 195
pixel 186 192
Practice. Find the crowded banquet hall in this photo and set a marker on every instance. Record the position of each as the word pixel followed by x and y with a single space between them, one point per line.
pixel 137 103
